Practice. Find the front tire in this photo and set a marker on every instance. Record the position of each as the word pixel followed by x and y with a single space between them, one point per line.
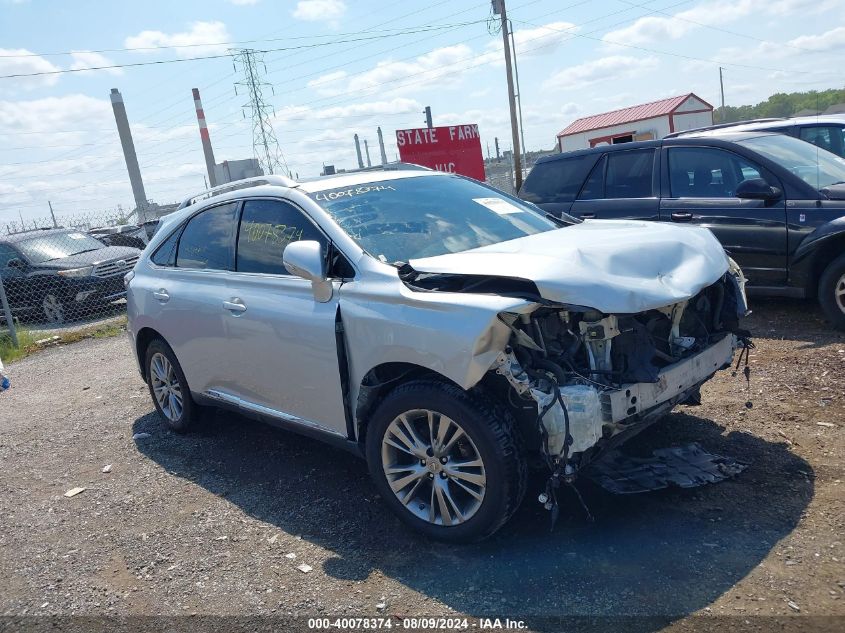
pixel 832 292
pixel 447 462
pixel 53 309
pixel 168 387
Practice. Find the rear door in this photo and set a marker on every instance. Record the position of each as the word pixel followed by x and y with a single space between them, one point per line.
pixel 187 292
pixel 622 184
pixel 698 185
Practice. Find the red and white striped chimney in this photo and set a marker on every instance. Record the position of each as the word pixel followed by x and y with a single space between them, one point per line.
pixel 206 141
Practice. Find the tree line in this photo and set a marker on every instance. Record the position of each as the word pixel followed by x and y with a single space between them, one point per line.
pixel 782 104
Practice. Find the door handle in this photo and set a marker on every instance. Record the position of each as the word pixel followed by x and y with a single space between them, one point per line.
pixel 235 305
pixel 681 216
pixel 161 295
pixel 588 216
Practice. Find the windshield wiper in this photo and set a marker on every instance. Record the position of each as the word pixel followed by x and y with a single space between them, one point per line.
pixel 557 220
pixel 87 250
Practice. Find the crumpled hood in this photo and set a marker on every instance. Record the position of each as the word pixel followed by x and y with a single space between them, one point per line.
pixel 615 266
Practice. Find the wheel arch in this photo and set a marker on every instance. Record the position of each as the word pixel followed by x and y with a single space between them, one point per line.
pixel 143 338
pixel 824 254
pixel 379 381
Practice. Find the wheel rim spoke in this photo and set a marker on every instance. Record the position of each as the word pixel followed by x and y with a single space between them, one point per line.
pixel 423 454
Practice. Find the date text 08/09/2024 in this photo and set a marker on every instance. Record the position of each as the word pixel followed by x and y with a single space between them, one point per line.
pixel 415 623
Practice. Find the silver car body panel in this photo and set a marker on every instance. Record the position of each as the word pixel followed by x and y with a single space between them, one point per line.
pixel 279 356
pixel 615 266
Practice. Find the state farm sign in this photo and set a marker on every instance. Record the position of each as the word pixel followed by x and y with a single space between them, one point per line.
pixel 452 148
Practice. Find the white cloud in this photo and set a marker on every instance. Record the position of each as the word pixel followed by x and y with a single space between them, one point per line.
pixel 53 114
pixel 827 41
pixel 654 28
pixel 329 84
pixel 26 63
pixel 319 10
pixel 86 59
pixel 613 67
pixel 202 38
pixel 539 41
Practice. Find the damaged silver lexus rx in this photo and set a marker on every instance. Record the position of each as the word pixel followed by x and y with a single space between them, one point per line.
pixel 452 335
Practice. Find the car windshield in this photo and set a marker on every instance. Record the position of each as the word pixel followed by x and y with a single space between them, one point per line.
pixel 407 218
pixel 817 167
pixel 57 245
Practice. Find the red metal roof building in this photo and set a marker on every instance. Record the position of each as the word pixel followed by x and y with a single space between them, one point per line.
pixel 637 123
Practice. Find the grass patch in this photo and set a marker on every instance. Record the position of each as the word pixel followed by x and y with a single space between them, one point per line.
pixel 28 340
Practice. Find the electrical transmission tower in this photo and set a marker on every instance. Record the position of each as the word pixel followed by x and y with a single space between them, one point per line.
pixel 265 145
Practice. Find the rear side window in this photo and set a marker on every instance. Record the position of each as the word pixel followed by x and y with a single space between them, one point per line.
pixel 207 239
pixel 267 227
pixel 557 180
pixel 165 254
pixel 621 175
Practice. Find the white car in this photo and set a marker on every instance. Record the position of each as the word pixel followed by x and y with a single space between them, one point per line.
pixel 443 330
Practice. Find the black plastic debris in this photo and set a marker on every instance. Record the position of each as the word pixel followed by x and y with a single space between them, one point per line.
pixel 683 466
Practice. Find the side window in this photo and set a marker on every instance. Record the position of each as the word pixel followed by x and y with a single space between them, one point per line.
pixel 557 180
pixel 165 254
pixel 267 227
pixel 594 187
pixel 629 174
pixel 707 172
pixel 826 137
pixel 206 240
pixel 7 253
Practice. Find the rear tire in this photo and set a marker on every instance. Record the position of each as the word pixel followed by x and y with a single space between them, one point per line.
pixel 459 474
pixel 168 387
pixel 832 292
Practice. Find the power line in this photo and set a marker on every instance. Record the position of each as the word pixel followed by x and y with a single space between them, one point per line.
pixel 229 44
pixel 63 71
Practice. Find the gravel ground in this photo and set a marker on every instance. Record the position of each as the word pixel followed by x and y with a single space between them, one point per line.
pixel 217 522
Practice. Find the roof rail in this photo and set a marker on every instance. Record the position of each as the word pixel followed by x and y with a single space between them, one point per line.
pixel 256 181
pixel 720 126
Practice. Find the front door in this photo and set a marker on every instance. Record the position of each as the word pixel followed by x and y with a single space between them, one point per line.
pixel 281 341
pixel 699 187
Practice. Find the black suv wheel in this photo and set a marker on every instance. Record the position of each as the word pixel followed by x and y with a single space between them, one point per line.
pixel 832 292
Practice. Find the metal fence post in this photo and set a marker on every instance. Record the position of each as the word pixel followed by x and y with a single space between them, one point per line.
pixel 6 311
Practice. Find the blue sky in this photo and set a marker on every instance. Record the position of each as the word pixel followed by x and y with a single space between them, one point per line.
pixel 58 139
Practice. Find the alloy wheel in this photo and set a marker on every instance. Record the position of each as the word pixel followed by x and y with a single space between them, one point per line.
pixel 166 387
pixel 839 293
pixel 433 467
pixel 54 310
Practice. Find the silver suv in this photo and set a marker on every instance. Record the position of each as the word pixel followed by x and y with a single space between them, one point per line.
pixel 447 332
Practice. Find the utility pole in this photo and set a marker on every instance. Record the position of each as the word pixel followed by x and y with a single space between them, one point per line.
pixel 518 97
pixel 427 113
pixel 499 9
pixel 52 215
pixel 722 88
pixel 264 142
pixel 498 155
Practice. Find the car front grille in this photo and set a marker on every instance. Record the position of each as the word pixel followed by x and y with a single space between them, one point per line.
pixel 115 268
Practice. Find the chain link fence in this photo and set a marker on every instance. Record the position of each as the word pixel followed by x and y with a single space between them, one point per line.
pixel 68 271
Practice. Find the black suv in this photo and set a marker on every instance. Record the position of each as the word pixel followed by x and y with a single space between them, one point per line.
pixel 776 203
pixel 57 273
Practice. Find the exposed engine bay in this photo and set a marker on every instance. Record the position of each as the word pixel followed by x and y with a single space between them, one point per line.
pixel 595 379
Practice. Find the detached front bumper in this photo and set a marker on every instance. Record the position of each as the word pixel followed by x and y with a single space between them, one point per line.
pixel 673 380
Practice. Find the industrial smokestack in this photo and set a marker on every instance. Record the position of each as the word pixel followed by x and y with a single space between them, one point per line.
pixel 367 150
pixel 381 146
pixel 358 151
pixel 129 153
pixel 206 141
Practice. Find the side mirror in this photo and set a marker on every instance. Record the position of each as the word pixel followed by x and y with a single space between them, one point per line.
pixel 305 259
pixel 757 189
pixel 16 263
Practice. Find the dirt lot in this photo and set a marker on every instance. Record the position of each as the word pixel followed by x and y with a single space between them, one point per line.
pixel 218 521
